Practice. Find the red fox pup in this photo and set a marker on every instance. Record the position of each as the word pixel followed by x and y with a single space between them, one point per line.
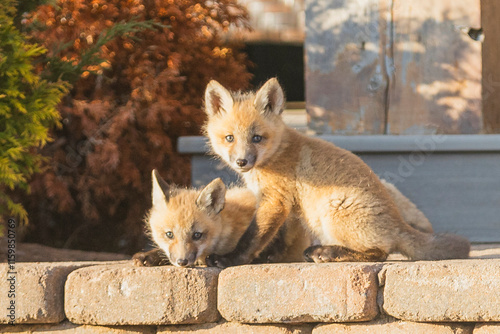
pixel 189 224
pixel 336 196
pixel 169 216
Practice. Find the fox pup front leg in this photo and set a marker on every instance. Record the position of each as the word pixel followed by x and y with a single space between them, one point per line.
pixel 321 254
pixel 240 254
pixel 152 258
pixel 262 230
pixel 276 250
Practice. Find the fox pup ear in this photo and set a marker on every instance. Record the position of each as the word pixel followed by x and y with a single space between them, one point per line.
pixel 213 197
pixel 270 98
pixel 161 190
pixel 217 99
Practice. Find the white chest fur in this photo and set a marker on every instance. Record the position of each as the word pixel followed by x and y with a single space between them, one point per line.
pixel 252 183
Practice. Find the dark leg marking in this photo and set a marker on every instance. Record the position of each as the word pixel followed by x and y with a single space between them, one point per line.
pixel 237 256
pixel 274 251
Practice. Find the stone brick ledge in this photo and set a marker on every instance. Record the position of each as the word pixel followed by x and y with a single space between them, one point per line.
pixel 385 325
pixel 451 295
pixel 67 327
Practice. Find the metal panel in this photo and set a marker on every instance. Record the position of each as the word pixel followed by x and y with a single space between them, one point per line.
pixel 459 193
pixel 378 143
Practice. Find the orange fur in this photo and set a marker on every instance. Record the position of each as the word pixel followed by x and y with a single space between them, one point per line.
pixel 184 212
pixel 336 196
pixel 180 212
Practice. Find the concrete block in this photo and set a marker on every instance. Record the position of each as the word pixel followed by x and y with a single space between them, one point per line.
pixel 34 292
pixel 301 292
pixel 128 295
pixel 236 328
pixel 69 328
pixel 393 326
pixel 487 328
pixel 443 291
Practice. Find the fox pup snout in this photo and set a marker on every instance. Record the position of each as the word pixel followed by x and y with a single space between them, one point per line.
pixel 244 161
pixel 182 252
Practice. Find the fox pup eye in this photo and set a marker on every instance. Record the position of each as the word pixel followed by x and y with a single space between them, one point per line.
pixel 229 138
pixel 169 235
pixel 256 139
pixel 197 235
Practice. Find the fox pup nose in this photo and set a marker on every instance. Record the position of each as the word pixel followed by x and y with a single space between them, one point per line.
pixel 241 162
pixel 182 262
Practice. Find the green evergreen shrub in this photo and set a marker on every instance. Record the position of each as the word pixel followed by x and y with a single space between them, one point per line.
pixel 27 112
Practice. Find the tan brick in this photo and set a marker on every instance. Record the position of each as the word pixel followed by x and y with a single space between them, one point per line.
pixel 393 326
pixel 69 328
pixel 457 290
pixel 128 295
pixel 487 328
pixel 38 293
pixel 302 292
pixel 236 328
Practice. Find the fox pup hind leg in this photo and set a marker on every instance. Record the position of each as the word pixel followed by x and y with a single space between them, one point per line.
pixel 321 254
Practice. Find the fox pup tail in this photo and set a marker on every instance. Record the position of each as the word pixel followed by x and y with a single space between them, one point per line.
pixel 419 246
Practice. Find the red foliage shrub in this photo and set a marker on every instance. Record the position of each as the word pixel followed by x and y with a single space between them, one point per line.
pixel 124 115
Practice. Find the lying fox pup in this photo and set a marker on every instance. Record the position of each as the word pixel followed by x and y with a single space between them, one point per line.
pixel 189 224
pixel 339 199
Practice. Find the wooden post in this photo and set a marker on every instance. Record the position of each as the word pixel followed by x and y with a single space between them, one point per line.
pixel 394 67
pixel 436 83
pixel 346 85
pixel 490 17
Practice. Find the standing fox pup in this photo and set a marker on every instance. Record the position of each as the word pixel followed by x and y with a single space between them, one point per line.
pixel 339 199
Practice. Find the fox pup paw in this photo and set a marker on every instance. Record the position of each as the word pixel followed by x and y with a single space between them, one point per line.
pixel 321 254
pixel 152 258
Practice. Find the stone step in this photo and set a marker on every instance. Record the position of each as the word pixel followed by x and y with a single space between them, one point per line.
pixel 379 326
pixel 34 292
pixel 128 295
pixel 453 291
pixel 297 293
pixel 456 292
pixel 394 326
pixel 237 328
pixel 67 327
pixel 442 291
